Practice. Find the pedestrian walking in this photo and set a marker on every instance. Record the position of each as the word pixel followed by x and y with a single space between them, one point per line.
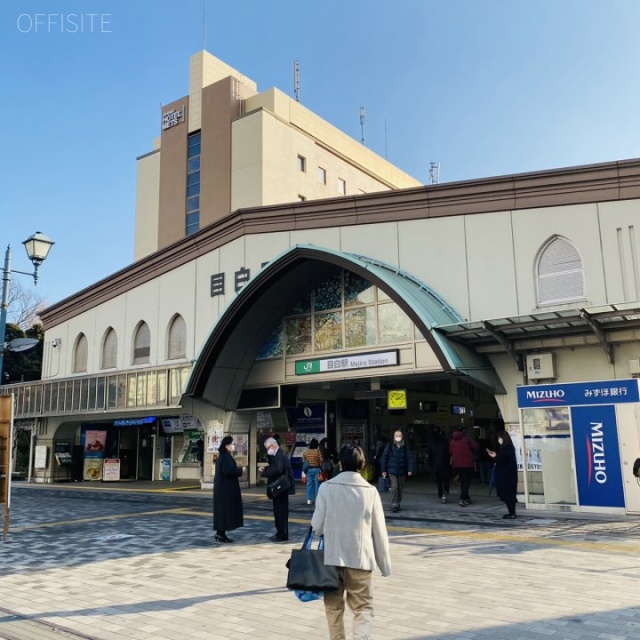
pixel 506 473
pixel 397 463
pixel 461 449
pixel 440 461
pixel 350 516
pixel 311 462
pixel 279 465
pixel 227 498
pixel 329 466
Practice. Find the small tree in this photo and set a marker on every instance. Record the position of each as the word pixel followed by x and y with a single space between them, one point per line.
pixel 25 305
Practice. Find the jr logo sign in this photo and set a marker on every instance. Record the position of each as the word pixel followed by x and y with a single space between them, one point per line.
pixel 595 443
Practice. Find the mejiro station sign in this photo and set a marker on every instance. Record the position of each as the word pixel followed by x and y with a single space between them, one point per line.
pixel 348 362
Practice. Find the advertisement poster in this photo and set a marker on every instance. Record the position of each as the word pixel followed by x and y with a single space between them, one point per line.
pixel 215 433
pixel 111 470
pixel 94 442
pixel 595 444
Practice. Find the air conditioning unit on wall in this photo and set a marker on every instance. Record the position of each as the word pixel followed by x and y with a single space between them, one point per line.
pixel 541 366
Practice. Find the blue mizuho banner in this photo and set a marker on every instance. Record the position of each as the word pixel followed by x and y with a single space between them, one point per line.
pixel 595 444
pixel 578 393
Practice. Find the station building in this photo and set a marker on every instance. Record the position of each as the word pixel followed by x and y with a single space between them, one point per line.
pixel 511 300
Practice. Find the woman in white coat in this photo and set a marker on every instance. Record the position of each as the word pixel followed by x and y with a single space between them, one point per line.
pixel 349 514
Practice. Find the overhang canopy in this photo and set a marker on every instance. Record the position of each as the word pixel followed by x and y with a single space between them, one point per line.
pixel 601 321
pixel 229 353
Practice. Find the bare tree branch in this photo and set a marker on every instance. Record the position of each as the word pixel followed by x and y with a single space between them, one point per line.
pixel 25 305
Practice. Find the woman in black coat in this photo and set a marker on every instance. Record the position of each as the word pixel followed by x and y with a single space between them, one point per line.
pixel 506 471
pixel 227 499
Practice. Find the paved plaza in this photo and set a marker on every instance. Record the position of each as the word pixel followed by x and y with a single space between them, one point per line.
pixel 85 562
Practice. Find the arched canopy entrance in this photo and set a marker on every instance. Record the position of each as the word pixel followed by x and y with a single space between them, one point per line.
pixel 230 351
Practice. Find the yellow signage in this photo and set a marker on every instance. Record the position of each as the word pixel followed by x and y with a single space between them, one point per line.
pixel 397 399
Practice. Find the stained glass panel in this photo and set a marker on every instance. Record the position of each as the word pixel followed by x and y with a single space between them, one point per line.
pixel 357 290
pixel 298 335
pixel 329 294
pixel 360 327
pixel 328 331
pixel 393 324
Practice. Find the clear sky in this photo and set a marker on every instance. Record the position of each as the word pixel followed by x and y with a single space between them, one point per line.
pixel 483 87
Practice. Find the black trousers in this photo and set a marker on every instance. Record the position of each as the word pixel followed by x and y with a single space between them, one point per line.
pixel 442 482
pixel 464 475
pixel 281 515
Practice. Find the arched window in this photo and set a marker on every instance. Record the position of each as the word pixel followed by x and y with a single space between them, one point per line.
pixel 559 273
pixel 177 339
pixel 110 349
pixel 142 344
pixel 80 353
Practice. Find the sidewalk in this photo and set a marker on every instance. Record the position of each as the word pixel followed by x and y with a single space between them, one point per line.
pixel 458 573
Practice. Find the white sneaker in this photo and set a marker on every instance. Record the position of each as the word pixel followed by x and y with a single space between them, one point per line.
pixel 309 502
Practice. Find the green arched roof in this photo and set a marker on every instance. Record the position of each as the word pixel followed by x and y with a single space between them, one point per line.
pixel 227 356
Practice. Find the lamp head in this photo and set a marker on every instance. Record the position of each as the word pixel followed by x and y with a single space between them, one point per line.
pixel 37 247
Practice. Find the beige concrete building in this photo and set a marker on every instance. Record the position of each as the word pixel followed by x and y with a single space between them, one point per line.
pixel 226 147
pixel 512 301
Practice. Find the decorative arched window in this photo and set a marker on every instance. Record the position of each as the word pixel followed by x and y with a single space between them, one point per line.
pixel 110 349
pixel 177 339
pixel 80 353
pixel 142 344
pixel 559 273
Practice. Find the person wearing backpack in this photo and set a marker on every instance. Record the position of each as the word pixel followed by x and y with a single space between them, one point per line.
pixel 396 464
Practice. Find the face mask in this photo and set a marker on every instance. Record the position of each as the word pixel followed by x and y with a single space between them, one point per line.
pixel 271 452
pixel 232 447
pixel 398 438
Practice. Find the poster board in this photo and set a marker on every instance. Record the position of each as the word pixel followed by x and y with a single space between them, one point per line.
pixel 6 435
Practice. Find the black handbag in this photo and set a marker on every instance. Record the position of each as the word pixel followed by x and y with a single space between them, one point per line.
pixel 278 486
pixel 307 570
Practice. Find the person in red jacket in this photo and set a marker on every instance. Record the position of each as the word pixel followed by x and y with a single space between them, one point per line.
pixel 461 448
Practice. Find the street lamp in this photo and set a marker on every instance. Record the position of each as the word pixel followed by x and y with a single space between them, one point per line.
pixel 37 247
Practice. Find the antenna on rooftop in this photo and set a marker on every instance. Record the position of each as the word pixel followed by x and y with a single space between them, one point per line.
pixel 363 115
pixel 434 172
pixel 204 23
pixel 296 80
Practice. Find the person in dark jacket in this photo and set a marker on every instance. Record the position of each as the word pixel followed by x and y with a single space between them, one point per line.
pixel 461 449
pixel 506 471
pixel 439 459
pixel 227 499
pixel 397 463
pixel 279 465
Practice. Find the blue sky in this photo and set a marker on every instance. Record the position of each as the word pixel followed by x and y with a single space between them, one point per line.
pixel 483 87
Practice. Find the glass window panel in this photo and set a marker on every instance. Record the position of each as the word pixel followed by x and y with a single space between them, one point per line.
pixel 161 398
pixel 298 335
pixel 193 178
pixel 393 324
pixel 328 331
pixel 178 382
pixel 110 350
pixel 357 290
pixel 273 347
pixel 141 390
pixel 193 151
pixel 68 396
pixel 142 345
pixel 54 397
pixel 194 139
pixel 360 327
pixel 193 164
pixel 131 390
pixel 46 404
pixel 177 347
pixel 192 228
pixel 84 394
pixel 548 455
pixel 91 400
pixel 76 395
pixel 329 294
pixel 100 385
pixel 112 392
pixel 382 296
pixel 193 203
pixel 38 400
pixel 193 190
pixel 80 354
pixel 152 388
pixel 121 398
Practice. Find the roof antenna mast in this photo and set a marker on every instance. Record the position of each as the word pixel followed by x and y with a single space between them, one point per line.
pixel 204 23
pixel 434 172
pixel 363 115
pixel 296 80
